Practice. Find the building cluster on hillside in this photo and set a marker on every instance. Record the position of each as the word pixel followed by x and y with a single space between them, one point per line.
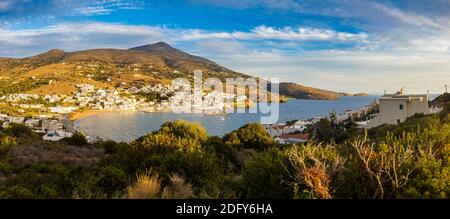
pixel 284 133
pixel 102 99
pixel 52 128
pixel 164 91
pixel 211 102
pixel 87 97
pixel 352 114
pixel 296 132
pixel 18 97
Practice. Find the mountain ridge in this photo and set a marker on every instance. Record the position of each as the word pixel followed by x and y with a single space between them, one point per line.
pixel 298 91
pixel 146 64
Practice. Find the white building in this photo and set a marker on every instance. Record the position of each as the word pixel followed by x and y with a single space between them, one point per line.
pixel 396 108
pixel 62 110
pixel 274 130
pixel 32 123
pixel 18 120
pixel 52 125
pixel 292 138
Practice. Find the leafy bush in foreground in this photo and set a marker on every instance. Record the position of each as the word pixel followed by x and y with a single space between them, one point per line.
pixel 409 160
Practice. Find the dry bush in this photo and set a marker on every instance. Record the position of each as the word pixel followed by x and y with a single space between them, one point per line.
pixel 178 189
pixel 147 186
pixel 389 165
pixel 315 165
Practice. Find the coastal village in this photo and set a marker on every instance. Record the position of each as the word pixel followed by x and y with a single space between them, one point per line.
pixel 51 113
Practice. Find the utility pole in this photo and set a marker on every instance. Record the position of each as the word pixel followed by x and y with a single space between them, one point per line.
pixel 446 89
pixel 428 92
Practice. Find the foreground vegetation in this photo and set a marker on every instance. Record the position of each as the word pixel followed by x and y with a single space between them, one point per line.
pixel 411 160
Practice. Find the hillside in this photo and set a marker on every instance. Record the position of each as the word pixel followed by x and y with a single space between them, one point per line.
pixel 58 71
pixel 303 92
pixel 441 100
pixel 149 64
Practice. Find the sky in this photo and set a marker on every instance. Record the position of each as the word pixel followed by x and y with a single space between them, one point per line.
pixel 342 45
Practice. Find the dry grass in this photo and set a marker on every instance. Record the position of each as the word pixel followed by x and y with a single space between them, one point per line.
pixel 59 69
pixel 147 186
pixel 179 189
pixel 33 153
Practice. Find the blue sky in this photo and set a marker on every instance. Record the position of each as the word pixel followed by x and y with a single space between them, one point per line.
pixel 343 45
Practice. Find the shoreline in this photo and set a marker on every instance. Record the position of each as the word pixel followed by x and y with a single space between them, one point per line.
pixel 86 113
pixel 77 117
pixel 83 114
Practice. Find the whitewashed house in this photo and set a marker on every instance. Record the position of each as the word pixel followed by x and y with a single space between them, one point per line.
pixel 396 108
pixel 274 130
pixel 62 110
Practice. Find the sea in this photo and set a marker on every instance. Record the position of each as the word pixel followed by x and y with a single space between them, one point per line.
pixel 127 126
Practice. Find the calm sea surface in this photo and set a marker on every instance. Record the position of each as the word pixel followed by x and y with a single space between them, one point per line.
pixel 127 126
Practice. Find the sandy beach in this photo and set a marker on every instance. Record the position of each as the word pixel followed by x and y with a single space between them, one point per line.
pixel 79 115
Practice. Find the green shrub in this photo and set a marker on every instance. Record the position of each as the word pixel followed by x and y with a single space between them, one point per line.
pixel 16 192
pixel 6 143
pixel 183 129
pixel 266 176
pixel 20 130
pixel 77 139
pixel 250 136
pixel 112 180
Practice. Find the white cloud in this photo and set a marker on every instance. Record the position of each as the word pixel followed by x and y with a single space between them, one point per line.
pixel 271 33
pixel 77 36
pixel 413 19
pixel 109 6
pixel 349 71
pixel 254 52
pixel 34 9
pixel 94 10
